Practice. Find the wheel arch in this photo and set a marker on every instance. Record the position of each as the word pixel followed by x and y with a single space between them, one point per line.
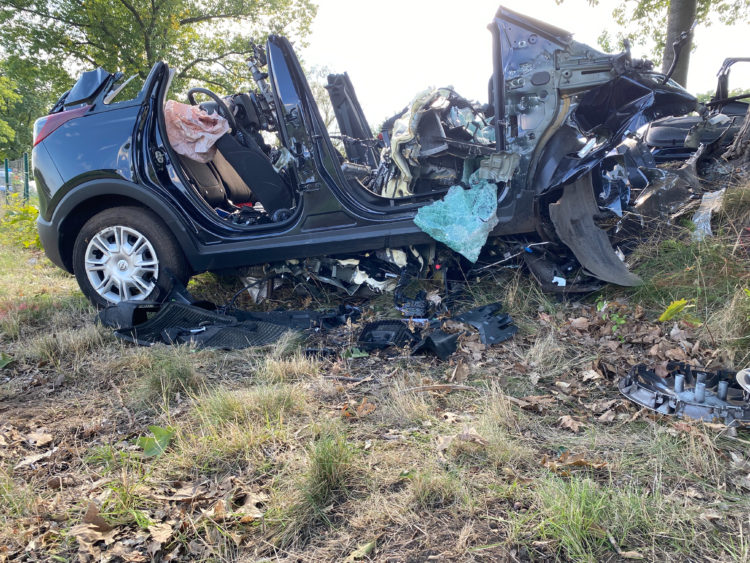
pixel 85 201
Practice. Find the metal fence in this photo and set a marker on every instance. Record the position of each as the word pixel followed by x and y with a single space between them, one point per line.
pixel 14 177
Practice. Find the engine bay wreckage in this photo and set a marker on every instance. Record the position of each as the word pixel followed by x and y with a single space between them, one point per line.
pixel 563 156
pixel 551 176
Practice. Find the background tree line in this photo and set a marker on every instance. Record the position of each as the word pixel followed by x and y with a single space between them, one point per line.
pixel 45 44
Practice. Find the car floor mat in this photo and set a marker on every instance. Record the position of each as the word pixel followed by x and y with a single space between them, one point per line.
pixel 170 316
pixel 302 320
pixel 232 337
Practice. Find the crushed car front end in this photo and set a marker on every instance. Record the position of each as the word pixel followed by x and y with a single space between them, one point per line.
pixel 572 114
pixel 556 147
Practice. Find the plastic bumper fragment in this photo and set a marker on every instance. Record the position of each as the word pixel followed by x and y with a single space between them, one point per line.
pixel 382 334
pixel 440 343
pixel 493 327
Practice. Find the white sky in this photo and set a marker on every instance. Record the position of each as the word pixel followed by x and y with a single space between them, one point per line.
pixel 393 49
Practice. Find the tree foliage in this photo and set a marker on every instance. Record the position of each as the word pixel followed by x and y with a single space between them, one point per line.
pixel 36 85
pixel 643 22
pixel 204 40
pixel 8 98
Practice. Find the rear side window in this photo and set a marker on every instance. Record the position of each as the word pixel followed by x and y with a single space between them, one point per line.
pixel 124 89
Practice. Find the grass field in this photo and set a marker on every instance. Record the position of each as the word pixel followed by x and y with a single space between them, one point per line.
pixel 527 451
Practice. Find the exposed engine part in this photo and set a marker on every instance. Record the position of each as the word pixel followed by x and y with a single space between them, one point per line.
pixel 690 392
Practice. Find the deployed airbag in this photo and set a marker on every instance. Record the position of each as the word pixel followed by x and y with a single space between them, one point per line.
pixel 192 132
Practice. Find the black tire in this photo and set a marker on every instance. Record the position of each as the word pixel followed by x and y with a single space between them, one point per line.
pixel 147 272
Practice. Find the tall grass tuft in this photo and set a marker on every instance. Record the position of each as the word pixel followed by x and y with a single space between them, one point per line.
pixel 328 478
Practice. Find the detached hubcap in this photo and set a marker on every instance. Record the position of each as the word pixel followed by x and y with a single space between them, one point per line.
pixel 121 264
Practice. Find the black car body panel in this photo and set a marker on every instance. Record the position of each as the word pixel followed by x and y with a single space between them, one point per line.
pixel 677 138
pixel 564 107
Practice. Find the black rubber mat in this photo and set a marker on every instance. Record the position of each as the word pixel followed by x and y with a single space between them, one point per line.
pixel 243 335
pixel 173 315
pixel 177 323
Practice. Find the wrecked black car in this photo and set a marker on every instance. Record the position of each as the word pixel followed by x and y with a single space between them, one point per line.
pixel 138 194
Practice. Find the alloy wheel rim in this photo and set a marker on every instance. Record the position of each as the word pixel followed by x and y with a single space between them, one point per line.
pixel 121 264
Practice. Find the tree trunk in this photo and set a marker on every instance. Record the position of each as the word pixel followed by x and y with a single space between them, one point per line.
pixel 740 148
pixel 680 16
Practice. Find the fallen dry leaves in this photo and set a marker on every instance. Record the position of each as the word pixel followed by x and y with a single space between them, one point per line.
pixel 33 459
pixel 39 438
pixel 467 435
pixel 91 532
pixel 624 554
pixel 566 460
pixel 567 421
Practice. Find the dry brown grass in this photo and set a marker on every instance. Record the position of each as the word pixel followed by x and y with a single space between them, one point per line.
pixel 70 346
pixel 297 367
pixel 270 422
pixel 402 407
pixel 729 326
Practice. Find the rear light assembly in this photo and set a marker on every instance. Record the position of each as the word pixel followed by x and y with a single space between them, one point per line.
pixel 44 126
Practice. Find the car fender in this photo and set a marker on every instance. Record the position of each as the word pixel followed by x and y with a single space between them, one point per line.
pixel 85 200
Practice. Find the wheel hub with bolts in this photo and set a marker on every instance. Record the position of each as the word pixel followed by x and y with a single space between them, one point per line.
pixel 121 264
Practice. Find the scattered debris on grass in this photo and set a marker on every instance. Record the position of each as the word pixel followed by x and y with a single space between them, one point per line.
pixel 316 448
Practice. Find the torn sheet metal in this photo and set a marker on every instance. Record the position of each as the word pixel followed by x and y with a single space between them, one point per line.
pixel 498 167
pixel 710 203
pixel 463 219
pixel 260 288
pixel 689 392
pixel 345 274
pixel 394 256
pixel 615 191
pixel 667 193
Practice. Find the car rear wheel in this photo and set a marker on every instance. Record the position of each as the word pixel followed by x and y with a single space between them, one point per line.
pixel 126 254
